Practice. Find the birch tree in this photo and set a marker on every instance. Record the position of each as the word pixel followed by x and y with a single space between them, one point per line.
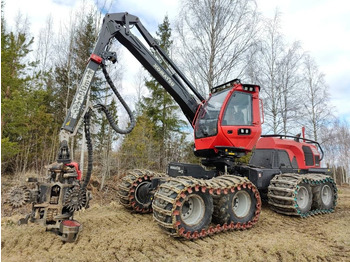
pixel 213 37
pixel 316 101
pixel 45 46
pixel 289 82
pixel 335 139
pixel 275 66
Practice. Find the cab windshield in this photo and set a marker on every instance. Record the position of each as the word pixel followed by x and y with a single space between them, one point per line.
pixel 207 121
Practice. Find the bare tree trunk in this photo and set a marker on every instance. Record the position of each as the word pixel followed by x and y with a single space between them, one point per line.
pixel 118 166
pixel 343 175
pixel 26 152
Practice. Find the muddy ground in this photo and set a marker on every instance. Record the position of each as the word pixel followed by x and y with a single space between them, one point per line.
pixel 112 233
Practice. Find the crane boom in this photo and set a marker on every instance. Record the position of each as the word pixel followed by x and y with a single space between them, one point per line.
pixel 118 26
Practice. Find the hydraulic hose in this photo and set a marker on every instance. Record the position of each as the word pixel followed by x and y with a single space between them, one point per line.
pixel 110 120
pixel 89 148
pixel 108 114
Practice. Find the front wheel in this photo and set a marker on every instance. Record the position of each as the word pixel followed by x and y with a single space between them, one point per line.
pixel 134 191
pixel 195 212
pixel 142 194
pixel 303 198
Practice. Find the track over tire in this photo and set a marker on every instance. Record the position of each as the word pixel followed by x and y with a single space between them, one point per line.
pixel 236 207
pixel 323 196
pixel 304 197
pixel 133 190
pixel 195 212
pixel 301 194
pixel 170 207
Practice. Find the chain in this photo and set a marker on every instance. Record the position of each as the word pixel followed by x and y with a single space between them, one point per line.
pixel 128 187
pixel 181 187
pixel 283 192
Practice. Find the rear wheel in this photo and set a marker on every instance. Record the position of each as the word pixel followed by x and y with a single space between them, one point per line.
pixel 323 196
pixel 236 207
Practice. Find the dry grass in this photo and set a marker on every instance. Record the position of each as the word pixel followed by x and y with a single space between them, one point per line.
pixel 111 233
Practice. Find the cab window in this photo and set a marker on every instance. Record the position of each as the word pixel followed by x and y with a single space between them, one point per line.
pixel 238 110
pixel 207 121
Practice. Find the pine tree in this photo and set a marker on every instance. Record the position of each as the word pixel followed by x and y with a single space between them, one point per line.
pixel 160 107
pixel 69 71
pixel 140 148
pixel 14 47
pixel 27 123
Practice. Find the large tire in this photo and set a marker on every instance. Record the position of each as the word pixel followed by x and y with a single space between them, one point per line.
pixel 133 191
pixel 195 212
pixel 323 196
pixel 304 198
pixel 236 207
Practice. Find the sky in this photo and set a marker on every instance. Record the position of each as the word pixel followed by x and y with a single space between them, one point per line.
pixel 322 27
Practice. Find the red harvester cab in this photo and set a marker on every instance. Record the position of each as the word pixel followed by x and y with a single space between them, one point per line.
pixel 229 120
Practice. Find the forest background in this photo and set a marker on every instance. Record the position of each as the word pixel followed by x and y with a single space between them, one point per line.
pixel 211 41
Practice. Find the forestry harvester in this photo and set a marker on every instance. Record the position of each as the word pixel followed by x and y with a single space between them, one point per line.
pixel 189 201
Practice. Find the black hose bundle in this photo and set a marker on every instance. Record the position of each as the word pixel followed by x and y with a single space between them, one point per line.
pixel 89 148
pixel 108 114
pixel 110 120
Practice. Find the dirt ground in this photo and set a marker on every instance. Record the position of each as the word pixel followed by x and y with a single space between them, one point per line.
pixel 112 233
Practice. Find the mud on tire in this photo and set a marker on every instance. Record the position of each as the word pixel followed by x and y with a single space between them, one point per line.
pixel 304 197
pixel 195 212
pixel 236 207
pixel 133 193
pixel 323 196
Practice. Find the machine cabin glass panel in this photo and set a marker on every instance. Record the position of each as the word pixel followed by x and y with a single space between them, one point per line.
pixel 238 111
pixel 207 121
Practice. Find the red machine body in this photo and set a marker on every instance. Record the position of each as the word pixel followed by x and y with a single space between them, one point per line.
pixel 302 155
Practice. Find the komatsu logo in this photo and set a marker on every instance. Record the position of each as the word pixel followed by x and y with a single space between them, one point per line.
pixel 81 93
pixel 175 168
pixel 164 75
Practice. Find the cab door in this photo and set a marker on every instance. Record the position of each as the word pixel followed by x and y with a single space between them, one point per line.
pixel 240 120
